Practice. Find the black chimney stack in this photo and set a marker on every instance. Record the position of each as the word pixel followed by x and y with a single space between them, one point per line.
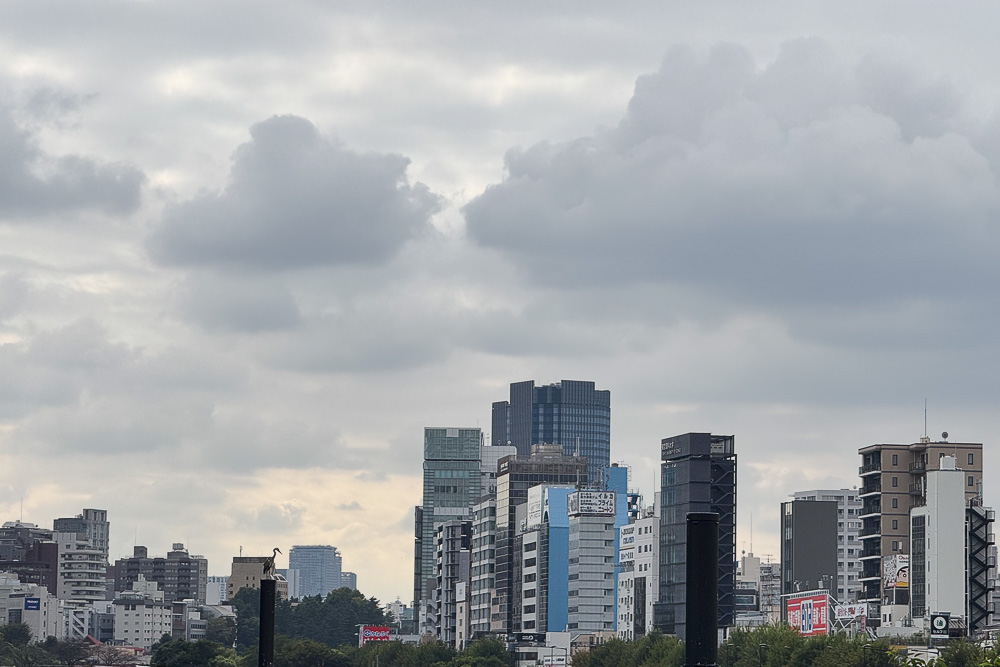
pixel 701 634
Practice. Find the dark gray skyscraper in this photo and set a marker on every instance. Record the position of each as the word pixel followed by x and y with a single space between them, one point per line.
pixel 319 569
pixel 698 475
pixel 571 413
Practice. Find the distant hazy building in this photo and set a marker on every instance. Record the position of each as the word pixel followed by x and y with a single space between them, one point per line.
pixel 93 524
pixel 31 553
pixel 848 584
pixel 215 590
pixel 698 474
pixel 247 572
pixel 808 546
pixel 319 568
pixel 571 413
pixel 181 576
pixel 42 615
pixel 482 578
pixel 453 551
pixel 349 580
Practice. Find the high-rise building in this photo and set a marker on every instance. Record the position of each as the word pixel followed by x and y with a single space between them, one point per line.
pixel 452 484
pixel 349 580
pixel 591 561
pixel 698 474
pixel 808 546
pixel 571 414
pixel 319 567
pixel 639 579
pixel 181 576
pixel 515 475
pixel 894 479
pixel 848 540
pixel 453 550
pixel 482 585
pixel 92 523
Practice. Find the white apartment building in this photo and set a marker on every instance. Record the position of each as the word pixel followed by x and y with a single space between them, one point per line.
pixel 32 605
pixel 938 575
pixel 848 585
pixel 141 615
pixel 639 579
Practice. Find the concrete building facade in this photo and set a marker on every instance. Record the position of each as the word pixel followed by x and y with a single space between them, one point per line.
pixel 515 475
pixel 181 575
pixel 639 579
pixel 893 480
pixel 808 546
pixel 591 561
pixel 848 538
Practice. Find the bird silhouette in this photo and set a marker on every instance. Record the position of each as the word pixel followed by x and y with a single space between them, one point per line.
pixel 269 564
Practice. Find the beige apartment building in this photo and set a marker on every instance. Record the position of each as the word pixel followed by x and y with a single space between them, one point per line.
pixel 894 479
pixel 246 573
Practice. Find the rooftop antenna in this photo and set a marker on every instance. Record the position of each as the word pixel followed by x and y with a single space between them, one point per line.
pixel 925 416
pixel 751 532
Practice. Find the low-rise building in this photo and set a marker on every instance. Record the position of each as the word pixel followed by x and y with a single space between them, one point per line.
pixel 142 616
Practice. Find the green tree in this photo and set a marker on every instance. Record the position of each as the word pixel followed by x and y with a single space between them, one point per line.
pixel 221 630
pixel 290 652
pixel 16 634
pixel 181 653
pixel 68 653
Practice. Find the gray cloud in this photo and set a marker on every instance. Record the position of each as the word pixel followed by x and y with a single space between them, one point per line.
pixel 296 198
pixel 34 183
pixel 242 304
pixel 718 179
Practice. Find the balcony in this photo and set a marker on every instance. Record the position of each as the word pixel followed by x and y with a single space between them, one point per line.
pixel 870 468
pixel 871 486
pixel 917 489
pixel 918 466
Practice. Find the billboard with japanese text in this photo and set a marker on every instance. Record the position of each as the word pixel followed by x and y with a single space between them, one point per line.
pixel 809 614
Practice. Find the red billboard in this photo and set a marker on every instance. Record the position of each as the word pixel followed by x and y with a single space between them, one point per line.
pixel 373 633
pixel 809 614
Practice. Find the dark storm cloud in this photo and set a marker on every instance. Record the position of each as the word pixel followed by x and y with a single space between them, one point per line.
pixel 807 181
pixel 34 183
pixel 296 198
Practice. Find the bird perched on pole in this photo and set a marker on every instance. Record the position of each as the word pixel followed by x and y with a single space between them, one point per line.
pixel 269 564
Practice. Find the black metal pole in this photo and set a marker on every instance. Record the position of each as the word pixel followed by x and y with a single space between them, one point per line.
pixel 265 646
pixel 701 634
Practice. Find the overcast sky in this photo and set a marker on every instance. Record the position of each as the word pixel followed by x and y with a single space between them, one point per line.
pixel 248 250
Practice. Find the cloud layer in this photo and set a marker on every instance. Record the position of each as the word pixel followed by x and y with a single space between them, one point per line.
pixel 297 199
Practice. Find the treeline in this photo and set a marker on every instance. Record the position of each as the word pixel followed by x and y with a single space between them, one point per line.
pixel 291 652
pixel 332 620
pixel 782 646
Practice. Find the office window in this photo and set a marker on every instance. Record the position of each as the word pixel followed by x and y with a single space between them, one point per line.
pixel 971 480
pixel 895 524
pixel 895 503
pixel 895 459
pixel 895 481
pixel 970 459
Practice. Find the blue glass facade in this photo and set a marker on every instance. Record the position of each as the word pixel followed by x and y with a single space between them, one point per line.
pixel 570 413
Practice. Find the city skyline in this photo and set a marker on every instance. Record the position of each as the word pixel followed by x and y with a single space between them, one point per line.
pixel 248 252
